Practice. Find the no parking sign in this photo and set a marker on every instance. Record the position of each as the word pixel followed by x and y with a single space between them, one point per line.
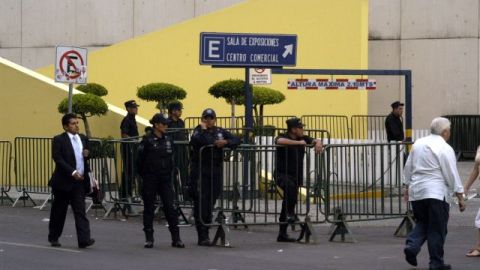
pixel 71 65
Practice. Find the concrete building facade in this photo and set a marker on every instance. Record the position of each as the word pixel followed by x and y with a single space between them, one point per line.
pixel 30 29
pixel 437 39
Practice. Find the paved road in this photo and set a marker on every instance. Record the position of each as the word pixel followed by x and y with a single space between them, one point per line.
pixel 23 246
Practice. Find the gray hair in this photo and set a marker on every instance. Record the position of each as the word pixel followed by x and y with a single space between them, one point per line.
pixel 439 124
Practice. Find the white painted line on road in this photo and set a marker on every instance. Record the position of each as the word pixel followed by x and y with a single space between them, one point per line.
pixel 37 246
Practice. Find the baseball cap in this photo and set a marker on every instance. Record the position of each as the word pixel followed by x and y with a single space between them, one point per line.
pixel 396 104
pixel 294 123
pixel 131 104
pixel 159 118
pixel 209 113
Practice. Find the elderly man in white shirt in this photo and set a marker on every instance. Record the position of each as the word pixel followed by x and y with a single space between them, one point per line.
pixel 431 177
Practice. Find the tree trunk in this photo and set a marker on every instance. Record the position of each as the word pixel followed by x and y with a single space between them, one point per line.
pixel 232 120
pixel 257 119
pixel 261 115
pixel 87 126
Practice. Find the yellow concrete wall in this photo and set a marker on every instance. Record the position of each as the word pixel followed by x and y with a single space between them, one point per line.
pixel 29 106
pixel 331 34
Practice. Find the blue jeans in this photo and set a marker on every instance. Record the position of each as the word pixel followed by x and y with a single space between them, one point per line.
pixel 431 217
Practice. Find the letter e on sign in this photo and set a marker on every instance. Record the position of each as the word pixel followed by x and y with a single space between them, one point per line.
pixel 214 49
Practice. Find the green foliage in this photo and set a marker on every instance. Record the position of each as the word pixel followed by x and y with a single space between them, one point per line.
pixel 94 89
pixel 85 105
pixel 172 102
pixel 162 93
pixel 231 90
pixel 264 96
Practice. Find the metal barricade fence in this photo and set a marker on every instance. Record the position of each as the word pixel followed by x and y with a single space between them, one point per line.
pixel 33 167
pixel 222 121
pixel 368 127
pixel 262 125
pixel 248 190
pixel 121 182
pixel 337 125
pixel 5 170
pixel 465 133
pixel 363 182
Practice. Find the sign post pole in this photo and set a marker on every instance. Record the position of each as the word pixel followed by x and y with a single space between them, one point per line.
pixel 71 68
pixel 70 94
pixel 248 105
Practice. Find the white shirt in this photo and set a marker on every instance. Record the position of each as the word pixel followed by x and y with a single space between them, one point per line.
pixel 431 170
pixel 78 150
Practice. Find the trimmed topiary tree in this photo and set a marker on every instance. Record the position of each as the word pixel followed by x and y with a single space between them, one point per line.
pixel 94 89
pixel 162 93
pixel 232 91
pixel 263 96
pixel 85 105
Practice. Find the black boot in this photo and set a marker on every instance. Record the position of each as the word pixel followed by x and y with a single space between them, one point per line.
pixel 176 242
pixel 148 238
pixel 283 236
pixel 203 239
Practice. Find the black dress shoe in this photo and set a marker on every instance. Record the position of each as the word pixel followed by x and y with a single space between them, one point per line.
pixel 178 244
pixel 410 257
pixel 442 267
pixel 285 238
pixel 204 242
pixel 55 243
pixel 90 242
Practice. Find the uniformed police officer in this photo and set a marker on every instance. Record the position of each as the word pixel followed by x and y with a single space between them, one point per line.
pixel 394 124
pixel 128 127
pixel 155 165
pixel 175 121
pixel 178 133
pixel 211 178
pixel 289 170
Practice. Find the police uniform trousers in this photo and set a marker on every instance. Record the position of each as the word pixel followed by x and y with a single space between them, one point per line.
pixel 289 185
pixel 206 195
pixel 161 185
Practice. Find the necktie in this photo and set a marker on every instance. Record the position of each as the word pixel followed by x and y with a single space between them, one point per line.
pixel 78 154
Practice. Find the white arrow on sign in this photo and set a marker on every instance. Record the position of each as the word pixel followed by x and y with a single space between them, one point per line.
pixel 288 50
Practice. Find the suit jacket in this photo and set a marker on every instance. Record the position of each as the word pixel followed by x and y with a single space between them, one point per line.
pixel 65 163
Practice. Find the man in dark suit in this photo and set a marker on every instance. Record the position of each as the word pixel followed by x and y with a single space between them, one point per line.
pixel 70 182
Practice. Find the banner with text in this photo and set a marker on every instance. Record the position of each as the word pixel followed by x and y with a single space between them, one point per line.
pixel 332 84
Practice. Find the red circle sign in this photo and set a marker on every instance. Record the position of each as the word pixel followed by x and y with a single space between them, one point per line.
pixel 70 62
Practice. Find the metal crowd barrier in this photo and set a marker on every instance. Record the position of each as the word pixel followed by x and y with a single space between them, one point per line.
pixel 363 182
pixel 261 124
pixel 337 125
pixel 33 168
pixel 368 127
pixel 249 192
pixel 346 183
pixel 222 121
pixel 5 171
pixel 465 134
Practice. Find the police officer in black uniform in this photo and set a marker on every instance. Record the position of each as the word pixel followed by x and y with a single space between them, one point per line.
pixel 128 127
pixel 178 133
pixel 175 121
pixel 206 194
pixel 394 123
pixel 289 170
pixel 155 165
